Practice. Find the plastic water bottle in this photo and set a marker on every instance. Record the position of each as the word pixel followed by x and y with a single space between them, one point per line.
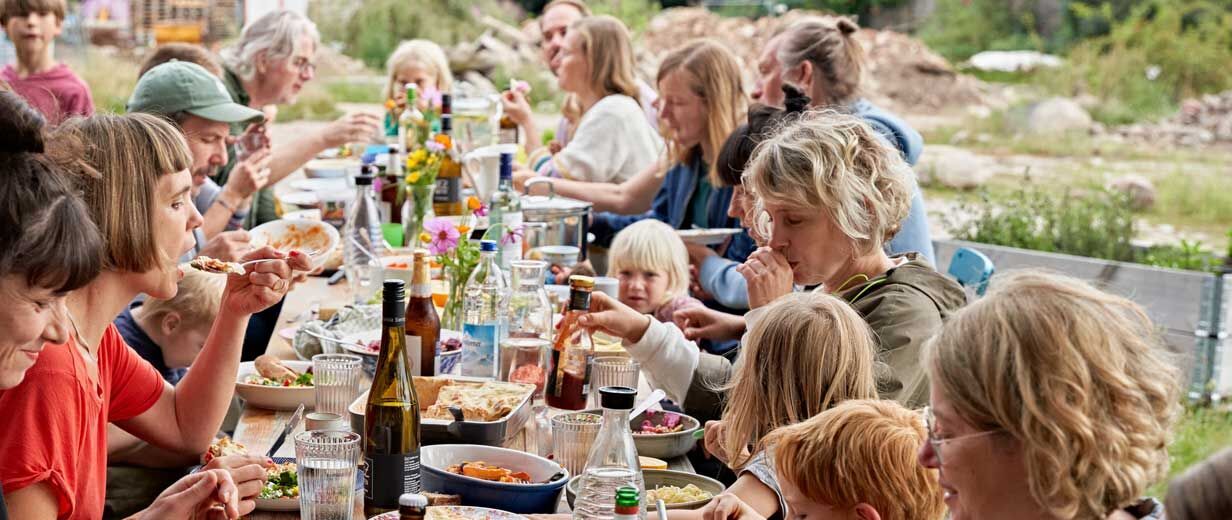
pixel 613 460
pixel 363 242
pixel 484 306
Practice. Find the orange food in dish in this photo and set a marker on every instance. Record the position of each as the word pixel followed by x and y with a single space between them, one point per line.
pixel 483 471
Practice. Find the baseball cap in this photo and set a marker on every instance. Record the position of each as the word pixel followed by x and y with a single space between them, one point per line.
pixel 180 86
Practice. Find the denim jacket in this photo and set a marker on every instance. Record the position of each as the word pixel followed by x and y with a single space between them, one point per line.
pixel 671 205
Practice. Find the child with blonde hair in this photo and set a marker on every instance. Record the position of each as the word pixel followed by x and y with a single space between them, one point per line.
pixel 855 460
pixel 415 62
pixel 170 333
pixel 652 265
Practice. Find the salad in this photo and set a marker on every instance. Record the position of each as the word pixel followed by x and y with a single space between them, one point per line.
pixel 671 423
pixel 304 379
pixel 283 482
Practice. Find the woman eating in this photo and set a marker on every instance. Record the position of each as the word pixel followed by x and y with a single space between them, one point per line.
pixel 133 174
pixel 1050 400
pixel 612 141
pixel 833 192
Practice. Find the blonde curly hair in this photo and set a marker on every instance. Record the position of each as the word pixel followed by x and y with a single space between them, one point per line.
pixel 1075 375
pixel 835 163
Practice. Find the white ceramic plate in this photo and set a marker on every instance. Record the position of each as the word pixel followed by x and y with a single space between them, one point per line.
pixel 330 168
pixel 468 512
pixel 303 214
pixel 356 341
pixel 707 237
pixel 320 184
pixel 275 397
pixel 308 235
pixel 300 198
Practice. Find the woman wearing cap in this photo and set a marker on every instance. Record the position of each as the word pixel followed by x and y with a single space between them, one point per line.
pixel 270 63
pixel 132 171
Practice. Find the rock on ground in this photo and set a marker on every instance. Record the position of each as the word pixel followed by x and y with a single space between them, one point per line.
pixel 1057 116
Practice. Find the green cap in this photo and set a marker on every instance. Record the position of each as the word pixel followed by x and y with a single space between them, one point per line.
pixel 180 86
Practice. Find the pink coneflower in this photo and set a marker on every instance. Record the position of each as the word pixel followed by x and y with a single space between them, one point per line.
pixel 511 235
pixel 444 236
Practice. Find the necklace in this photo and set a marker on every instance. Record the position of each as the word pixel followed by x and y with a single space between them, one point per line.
pixel 81 342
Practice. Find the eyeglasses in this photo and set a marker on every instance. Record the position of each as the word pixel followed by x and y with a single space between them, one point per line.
pixel 930 423
pixel 304 64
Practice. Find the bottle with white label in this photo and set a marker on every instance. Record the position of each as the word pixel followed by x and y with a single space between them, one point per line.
pixel 506 211
pixel 484 306
pixel 423 325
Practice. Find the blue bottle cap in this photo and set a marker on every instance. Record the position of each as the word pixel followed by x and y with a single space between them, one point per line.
pixel 486 246
pixel 506 165
pixel 368 158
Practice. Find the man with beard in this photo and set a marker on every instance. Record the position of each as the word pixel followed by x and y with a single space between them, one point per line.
pixel 198 103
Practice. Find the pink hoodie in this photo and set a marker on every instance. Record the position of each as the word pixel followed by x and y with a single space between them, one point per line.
pixel 58 93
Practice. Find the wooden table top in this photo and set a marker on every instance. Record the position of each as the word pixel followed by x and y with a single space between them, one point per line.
pixel 258 428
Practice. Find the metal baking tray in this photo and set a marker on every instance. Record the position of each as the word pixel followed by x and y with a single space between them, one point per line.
pixel 458 431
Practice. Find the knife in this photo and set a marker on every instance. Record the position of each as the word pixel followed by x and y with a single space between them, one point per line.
pixel 291 424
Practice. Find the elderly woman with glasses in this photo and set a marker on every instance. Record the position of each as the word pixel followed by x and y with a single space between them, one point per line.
pixel 269 65
pixel 1049 400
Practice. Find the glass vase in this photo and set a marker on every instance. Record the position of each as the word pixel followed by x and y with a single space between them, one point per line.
pixel 416 211
pixel 451 318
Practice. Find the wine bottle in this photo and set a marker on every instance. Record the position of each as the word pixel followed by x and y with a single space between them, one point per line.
pixel 423 325
pixel 412 125
pixel 447 200
pixel 506 211
pixel 391 418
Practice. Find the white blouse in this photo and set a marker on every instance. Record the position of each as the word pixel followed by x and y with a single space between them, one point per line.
pixel 612 143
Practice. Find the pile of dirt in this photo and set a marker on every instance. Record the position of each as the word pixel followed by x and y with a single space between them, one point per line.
pixel 1201 121
pixel 902 73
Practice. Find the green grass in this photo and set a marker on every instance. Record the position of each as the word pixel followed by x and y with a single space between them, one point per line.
pixel 315 103
pixel 355 90
pixel 1194 196
pixel 1200 433
pixel 111 78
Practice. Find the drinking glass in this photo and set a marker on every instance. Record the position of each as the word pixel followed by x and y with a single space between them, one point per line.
pixel 525 360
pixel 573 434
pixel 328 461
pixel 336 377
pixel 612 371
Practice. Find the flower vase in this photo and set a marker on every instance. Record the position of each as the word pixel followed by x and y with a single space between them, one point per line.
pixel 415 212
pixel 452 317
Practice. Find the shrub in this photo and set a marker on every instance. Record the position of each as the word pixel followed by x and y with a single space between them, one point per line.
pixel 1161 53
pixel 1095 223
pixel 315 103
pixel 371 29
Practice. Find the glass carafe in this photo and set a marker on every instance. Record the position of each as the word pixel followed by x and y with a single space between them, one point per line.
pixel 530 310
pixel 613 460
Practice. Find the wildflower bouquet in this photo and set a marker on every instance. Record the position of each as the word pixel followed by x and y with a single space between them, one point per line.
pixel 457 254
pixel 422 165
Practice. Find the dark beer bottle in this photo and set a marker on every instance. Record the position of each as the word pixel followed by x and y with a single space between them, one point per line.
pixel 423 325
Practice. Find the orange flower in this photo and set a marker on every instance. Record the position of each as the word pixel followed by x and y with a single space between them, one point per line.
pixel 472 203
pixel 390 104
pixel 464 229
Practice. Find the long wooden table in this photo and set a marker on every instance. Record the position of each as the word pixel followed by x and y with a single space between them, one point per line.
pixel 257 428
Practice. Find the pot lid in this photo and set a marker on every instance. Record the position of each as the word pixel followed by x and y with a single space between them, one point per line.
pixel 553 206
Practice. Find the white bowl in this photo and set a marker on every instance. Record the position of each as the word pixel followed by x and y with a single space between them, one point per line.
pixel 275 397
pixel 311 236
pixel 399 273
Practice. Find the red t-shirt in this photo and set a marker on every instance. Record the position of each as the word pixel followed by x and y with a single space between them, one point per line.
pixel 58 93
pixel 55 421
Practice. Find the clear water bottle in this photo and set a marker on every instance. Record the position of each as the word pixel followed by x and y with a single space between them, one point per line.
pixel 362 241
pixel 506 207
pixel 484 306
pixel 613 460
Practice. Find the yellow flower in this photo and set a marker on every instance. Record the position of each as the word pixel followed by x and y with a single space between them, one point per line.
pixel 390 104
pixel 414 177
pixel 463 229
pixel 425 238
pixel 472 203
pixel 419 154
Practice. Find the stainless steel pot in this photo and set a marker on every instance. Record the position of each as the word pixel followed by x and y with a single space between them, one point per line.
pixel 555 221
